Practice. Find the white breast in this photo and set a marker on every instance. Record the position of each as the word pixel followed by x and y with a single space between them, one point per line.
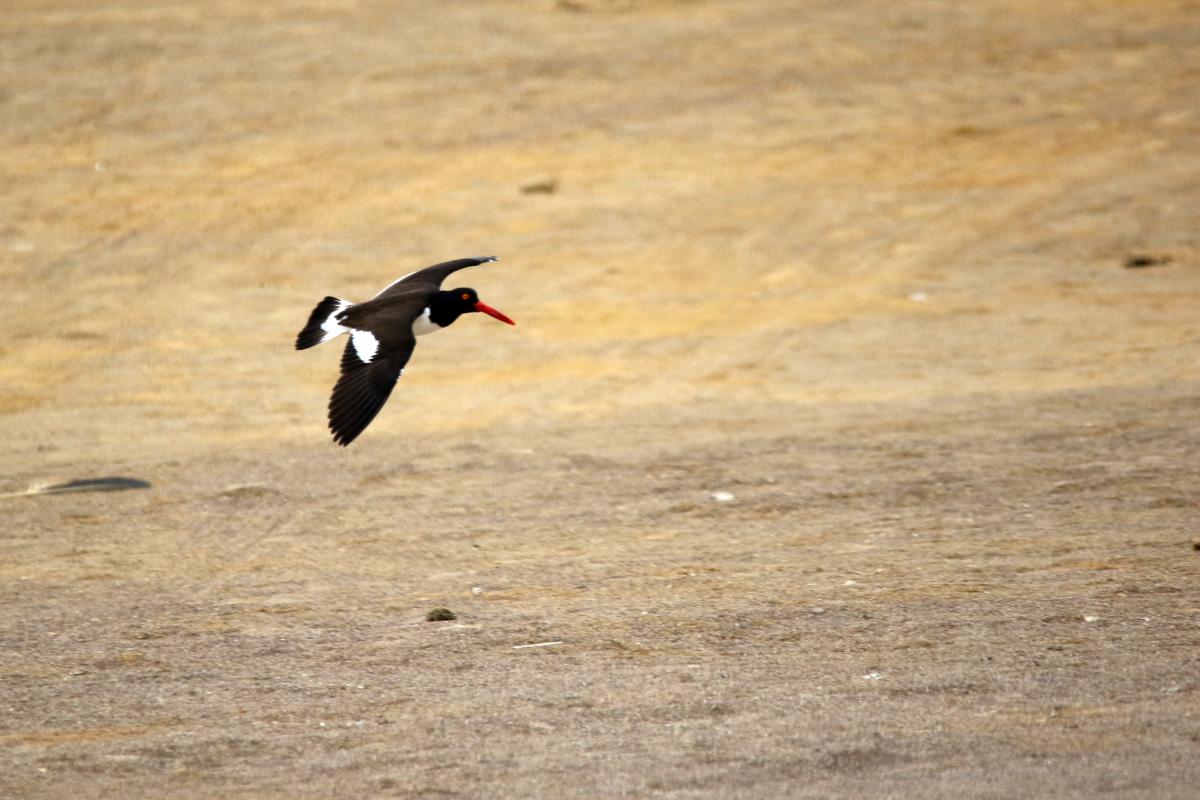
pixel 423 325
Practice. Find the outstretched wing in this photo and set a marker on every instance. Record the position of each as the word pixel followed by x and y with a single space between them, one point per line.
pixel 430 278
pixel 364 386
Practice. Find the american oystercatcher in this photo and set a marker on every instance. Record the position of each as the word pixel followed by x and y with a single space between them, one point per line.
pixel 383 332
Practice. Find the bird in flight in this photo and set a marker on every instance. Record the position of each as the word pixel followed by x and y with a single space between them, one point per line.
pixel 383 332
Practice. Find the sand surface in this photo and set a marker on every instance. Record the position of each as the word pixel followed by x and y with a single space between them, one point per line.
pixel 837 451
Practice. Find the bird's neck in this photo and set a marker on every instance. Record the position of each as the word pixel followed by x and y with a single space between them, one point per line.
pixel 443 310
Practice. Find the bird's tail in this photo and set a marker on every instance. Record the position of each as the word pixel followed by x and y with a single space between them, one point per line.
pixel 323 323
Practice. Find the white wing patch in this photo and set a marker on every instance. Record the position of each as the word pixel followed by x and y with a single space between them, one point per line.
pixel 365 345
pixel 330 325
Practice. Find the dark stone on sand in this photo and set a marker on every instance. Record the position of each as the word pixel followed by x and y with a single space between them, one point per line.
pixel 440 615
pixel 113 484
pixel 541 185
pixel 1143 261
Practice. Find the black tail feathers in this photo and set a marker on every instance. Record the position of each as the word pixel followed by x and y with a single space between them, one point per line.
pixel 313 334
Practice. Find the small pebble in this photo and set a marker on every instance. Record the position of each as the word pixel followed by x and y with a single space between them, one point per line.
pixel 1196 544
pixel 1143 261
pixel 722 497
pixel 440 615
pixel 545 185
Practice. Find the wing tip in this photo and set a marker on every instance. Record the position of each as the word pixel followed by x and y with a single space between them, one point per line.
pixel 346 430
pixel 361 392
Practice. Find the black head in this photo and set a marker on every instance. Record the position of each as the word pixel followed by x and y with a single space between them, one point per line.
pixel 447 306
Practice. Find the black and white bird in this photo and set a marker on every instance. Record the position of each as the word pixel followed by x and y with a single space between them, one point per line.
pixel 383 332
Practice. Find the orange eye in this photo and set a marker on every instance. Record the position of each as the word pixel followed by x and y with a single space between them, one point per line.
pixel 466 296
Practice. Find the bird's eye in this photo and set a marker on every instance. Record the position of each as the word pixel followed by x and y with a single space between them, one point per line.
pixel 466 296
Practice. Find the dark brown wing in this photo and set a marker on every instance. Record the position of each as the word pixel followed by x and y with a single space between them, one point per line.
pixel 390 315
pixel 363 389
pixel 430 278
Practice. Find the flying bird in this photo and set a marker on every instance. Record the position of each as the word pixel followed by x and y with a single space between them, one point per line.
pixel 383 332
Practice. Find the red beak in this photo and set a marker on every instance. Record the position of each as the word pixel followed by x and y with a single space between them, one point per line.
pixel 491 312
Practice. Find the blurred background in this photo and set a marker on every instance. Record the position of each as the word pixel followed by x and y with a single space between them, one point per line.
pixel 696 204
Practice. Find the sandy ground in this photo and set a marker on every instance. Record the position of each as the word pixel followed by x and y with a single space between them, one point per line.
pixel 837 452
